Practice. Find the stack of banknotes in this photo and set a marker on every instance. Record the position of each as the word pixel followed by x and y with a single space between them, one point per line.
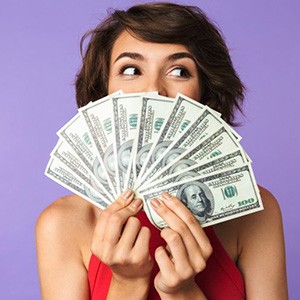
pixel 151 144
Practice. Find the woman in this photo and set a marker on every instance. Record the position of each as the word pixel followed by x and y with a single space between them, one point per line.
pixel 86 253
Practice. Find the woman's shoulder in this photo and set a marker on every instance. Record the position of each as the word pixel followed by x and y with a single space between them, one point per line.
pixel 269 217
pixel 261 232
pixel 261 250
pixel 236 235
pixel 67 223
pixel 68 211
pixel 269 200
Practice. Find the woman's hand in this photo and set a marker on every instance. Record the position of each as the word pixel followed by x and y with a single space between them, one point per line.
pixel 187 251
pixel 121 243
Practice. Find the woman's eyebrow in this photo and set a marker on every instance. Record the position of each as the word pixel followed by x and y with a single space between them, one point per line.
pixel 132 55
pixel 138 56
pixel 180 55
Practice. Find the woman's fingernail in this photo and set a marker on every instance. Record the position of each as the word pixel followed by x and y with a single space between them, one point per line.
pixel 155 203
pixel 136 203
pixel 127 194
pixel 166 196
pixel 125 197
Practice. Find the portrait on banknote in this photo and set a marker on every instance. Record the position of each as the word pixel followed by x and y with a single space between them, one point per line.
pixel 159 150
pixel 171 155
pixel 181 165
pixel 124 154
pixel 109 160
pixel 142 155
pixel 198 198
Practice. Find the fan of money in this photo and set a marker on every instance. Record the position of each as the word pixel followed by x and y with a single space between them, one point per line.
pixel 151 144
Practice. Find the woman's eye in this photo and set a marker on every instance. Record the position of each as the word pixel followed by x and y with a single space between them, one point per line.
pixel 180 72
pixel 131 71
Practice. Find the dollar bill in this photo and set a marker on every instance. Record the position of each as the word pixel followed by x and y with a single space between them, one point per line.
pixel 205 125
pixel 151 144
pixel 126 113
pixel 59 172
pixel 98 117
pixel 149 125
pixel 220 143
pixel 220 164
pixel 184 114
pixel 212 199
pixel 66 154
pixel 77 135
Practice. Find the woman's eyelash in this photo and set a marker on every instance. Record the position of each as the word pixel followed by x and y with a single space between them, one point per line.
pixel 181 72
pixel 131 70
pixel 134 71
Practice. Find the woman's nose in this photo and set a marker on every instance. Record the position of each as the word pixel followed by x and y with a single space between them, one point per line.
pixel 156 84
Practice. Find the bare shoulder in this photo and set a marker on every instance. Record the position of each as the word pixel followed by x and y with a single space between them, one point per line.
pixel 69 213
pixel 256 244
pixel 262 221
pixel 261 251
pixel 235 234
pixel 67 223
pixel 71 207
pixel 63 236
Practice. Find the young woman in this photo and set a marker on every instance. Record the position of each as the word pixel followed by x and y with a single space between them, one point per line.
pixel 85 253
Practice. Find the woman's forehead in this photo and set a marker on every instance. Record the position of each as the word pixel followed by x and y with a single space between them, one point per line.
pixel 127 42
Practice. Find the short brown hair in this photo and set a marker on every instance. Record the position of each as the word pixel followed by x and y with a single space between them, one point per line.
pixel 163 22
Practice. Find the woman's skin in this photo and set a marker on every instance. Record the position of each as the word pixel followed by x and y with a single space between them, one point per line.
pixel 70 228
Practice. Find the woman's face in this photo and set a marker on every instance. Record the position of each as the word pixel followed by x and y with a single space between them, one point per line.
pixel 139 66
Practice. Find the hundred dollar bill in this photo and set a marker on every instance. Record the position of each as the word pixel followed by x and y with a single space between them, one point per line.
pixel 185 112
pixel 205 125
pixel 212 199
pixel 77 135
pixel 220 143
pixel 126 112
pixel 154 112
pixel 219 164
pixel 58 172
pixel 66 154
pixel 99 119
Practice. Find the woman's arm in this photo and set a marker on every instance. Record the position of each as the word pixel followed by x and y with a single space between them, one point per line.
pixel 62 272
pixel 262 252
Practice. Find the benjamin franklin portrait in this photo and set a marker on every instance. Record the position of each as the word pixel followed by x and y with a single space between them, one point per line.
pixel 198 198
pixel 124 154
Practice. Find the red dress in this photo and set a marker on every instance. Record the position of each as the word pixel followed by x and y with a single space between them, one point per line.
pixel 220 280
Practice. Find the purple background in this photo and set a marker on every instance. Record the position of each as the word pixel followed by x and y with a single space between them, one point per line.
pixel 39 58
